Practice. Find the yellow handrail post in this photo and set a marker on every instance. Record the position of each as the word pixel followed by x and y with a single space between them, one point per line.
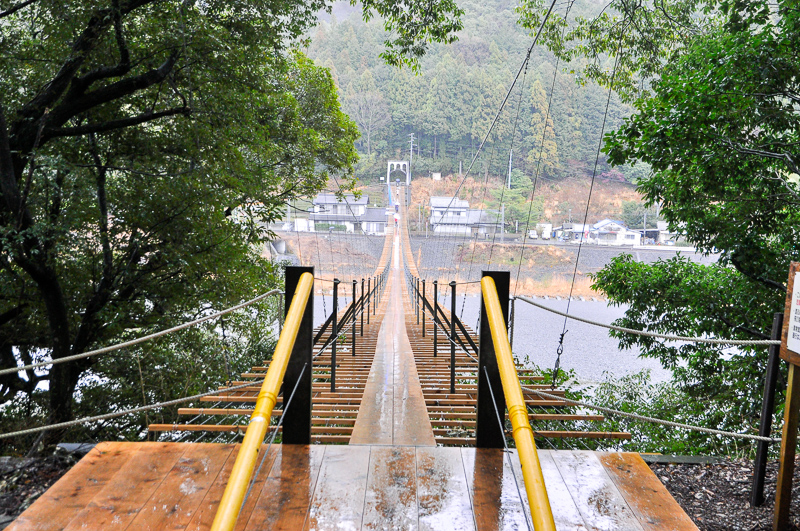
pixel 229 506
pixel 541 512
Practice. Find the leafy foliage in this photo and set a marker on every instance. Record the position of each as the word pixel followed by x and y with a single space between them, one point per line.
pixel 129 132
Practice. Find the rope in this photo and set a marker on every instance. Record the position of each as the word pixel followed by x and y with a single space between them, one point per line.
pixel 652 419
pixel 732 342
pixel 132 342
pixel 117 413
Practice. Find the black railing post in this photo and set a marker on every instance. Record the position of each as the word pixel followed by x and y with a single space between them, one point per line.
pixel 488 434
pixel 416 296
pixel 435 316
pixel 334 332
pixel 767 409
pixel 355 317
pixel 424 324
pixel 369 297
pixel 361 307
pixel 297 417
pixel 453 337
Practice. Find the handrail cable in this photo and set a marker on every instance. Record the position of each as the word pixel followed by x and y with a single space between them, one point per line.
pixel 116 414
pixel 541 513
pixel 713 341
pixel 230 504
pixel 133 342
pixel 651 419
pixel 541 156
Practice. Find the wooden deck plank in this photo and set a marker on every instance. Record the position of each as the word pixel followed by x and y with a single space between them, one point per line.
pixel 565 513
pixel 496 502
pixel 654 506
pixel 286 494
pixel 265 459
pixel 338 501
pixel 121 499
pixel 442 491
pixel 174 502
pixel 207 509
pixel 599 501
pixel 73 492
pixel 391 498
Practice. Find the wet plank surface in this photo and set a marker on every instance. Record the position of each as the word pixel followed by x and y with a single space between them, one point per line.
pixel 393 409
pixel 179 485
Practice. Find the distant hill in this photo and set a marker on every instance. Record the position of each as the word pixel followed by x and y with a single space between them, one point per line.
pixel 448 107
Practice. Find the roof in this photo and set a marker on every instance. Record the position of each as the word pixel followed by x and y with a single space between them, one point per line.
pixel 374 215
pixel 605 222
pixel 473 217
pixel 331 199
pixel 444 202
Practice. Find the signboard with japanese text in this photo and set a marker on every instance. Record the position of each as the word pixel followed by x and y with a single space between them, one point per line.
pixel 790 347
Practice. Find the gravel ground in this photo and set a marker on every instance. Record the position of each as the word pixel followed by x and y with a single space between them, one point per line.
pixel 716 496
pixel 24 480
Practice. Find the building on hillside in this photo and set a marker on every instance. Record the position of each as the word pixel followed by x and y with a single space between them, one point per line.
pixel 333 214
pixel 612 232
pixel 453 216
pixel 374 221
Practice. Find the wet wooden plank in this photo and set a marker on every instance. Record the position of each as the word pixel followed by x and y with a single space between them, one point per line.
pixel 391 497
pixel 177 498
pixel 264 461
pixel 338 501
pixel 73 492
pixel 565 513
pixel 286 494
pixel 597 498
pixel 207 509
pixel 496 502
pixel 121 499
pixel 442 490
pixel 654 506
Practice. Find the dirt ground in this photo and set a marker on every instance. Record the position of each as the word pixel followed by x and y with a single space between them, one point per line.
pixel 715 496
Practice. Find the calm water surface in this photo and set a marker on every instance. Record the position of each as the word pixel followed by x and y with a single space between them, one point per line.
pixel 587 349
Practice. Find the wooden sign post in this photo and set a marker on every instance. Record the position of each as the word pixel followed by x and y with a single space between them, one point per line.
pixel 790 351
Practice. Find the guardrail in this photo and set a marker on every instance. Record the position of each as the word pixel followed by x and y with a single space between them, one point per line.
pixel 541 513
pixel 230 505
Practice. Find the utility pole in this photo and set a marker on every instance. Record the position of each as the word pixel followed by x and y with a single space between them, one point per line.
pixel 408 180
pixel 510 154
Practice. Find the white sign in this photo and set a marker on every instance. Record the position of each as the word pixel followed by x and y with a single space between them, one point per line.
pixel 793 336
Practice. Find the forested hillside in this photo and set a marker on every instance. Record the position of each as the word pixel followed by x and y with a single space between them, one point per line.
pixel 450 103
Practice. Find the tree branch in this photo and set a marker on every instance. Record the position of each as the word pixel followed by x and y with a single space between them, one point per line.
pixel 13 9
pixel 71 108
pixel 114 124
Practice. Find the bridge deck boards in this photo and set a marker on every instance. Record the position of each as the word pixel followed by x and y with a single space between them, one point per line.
pixel 178 486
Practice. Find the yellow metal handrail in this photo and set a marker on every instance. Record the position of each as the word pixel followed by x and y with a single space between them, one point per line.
pixel 231 503
pixel 541 512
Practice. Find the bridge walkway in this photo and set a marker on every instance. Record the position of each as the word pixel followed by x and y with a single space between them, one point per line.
pixel 392 405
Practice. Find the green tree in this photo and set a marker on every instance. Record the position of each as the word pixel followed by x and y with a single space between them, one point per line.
pixel 720 132
pixel 129 129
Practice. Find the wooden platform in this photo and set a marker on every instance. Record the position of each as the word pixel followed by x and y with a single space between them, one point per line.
pixel 178 486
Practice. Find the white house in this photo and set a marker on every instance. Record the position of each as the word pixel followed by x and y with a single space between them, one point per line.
pixel 332 213
pixel 453 216
pixel 611 232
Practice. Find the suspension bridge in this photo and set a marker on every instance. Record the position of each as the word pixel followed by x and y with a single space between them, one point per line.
pixel 391 415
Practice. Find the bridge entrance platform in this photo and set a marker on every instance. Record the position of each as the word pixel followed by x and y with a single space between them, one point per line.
pixel 178 486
